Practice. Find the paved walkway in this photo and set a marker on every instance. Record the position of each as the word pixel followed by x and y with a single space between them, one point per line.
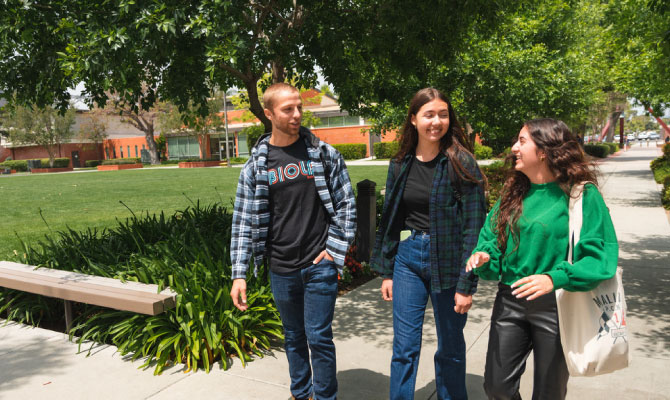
pixel 43 364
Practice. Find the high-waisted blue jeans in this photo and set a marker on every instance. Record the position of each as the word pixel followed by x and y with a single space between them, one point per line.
pixel 305 299
pixel 411 289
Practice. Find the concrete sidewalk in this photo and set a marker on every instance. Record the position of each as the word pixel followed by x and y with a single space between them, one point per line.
pixel 43 364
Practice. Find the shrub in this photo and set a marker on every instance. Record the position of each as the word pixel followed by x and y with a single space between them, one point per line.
pixel 189 252
pixel 385 149
pixel 18 165
pixel 351 151
pixel 120 161
pixel 666 150
pixel 238 160
pixel 483 152
pixel 596 150
pixel 92 163
pixel 495 174
pixel 611 147
pixel 665 199
pixel 253 132
pixel 170 162
pixel 63 162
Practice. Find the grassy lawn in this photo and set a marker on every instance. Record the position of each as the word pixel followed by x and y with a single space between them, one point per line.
pixel 93 199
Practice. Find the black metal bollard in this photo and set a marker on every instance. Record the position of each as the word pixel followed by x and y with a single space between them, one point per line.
pixel 366 212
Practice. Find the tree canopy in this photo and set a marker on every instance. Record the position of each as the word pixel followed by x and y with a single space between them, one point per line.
pixel 501 61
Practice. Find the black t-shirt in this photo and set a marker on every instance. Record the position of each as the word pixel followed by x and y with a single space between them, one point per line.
pixel 416 196
pixel 298 220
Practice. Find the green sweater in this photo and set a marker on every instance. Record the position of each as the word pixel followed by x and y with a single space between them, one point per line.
pixel 543 241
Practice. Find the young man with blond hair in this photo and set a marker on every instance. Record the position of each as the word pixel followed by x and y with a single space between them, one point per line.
pixel 295 207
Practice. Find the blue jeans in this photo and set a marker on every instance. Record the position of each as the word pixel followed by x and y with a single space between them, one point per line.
pixel 305 299
pixel 411 288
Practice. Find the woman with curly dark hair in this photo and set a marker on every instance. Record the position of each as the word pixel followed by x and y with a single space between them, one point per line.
pixel 433 211
pixel 524 244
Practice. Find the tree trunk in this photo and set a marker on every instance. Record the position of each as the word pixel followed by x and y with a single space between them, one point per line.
pixel 255 104
pixel 614 118
pixel 278 72
pixel 151 144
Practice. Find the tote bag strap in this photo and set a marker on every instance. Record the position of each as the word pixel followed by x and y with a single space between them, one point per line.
pixel 576 216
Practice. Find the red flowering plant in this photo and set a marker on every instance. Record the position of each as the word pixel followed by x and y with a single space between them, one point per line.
pixel 353 270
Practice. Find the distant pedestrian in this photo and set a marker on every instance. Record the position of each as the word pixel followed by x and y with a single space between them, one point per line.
pixel 667 137
pixel 580 140
pixel 524 244
pixel 433 211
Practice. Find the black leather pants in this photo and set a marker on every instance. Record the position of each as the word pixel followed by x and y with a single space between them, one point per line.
pixel 517 327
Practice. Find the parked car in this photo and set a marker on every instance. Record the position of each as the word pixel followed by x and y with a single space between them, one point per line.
pixel 654 136
pixel 630 136
pixel 643 135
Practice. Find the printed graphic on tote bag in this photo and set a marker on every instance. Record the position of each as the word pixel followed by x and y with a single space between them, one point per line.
pixel 613 318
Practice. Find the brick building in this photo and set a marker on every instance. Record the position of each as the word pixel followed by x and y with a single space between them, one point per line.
pixel 125 141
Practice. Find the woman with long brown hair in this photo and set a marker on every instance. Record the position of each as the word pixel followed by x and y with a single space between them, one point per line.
pixel 433 211
pixel 524 244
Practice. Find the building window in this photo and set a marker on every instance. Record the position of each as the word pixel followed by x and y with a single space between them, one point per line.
pixel 107 153
pixel 143 147
pixel 128 148
pixel 136 151
pixel 336 121
pixel 181 147
pixel 121 151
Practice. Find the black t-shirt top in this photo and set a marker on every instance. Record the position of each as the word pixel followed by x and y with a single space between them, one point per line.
pixel 416 196
pixel 298 220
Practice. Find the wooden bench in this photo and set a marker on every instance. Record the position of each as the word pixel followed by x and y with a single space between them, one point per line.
pixel 70 286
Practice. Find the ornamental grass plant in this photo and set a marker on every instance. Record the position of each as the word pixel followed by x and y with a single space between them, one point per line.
pixel 189 252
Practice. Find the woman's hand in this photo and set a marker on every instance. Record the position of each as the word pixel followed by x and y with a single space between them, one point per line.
pixel 387 289
pixel 533 286
pixel 477 260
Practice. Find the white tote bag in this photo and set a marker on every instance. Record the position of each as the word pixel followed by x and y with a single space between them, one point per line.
pixel 592 324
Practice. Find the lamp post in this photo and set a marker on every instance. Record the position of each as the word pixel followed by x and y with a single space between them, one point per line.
pixel 621 141
pixel 225 120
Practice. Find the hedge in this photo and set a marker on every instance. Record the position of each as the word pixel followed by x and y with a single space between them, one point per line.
pixel 18 165
pixel 119 161
pixel 483 152
pixel 597 150
pixel 351 151
pixel 22 165
pixel 666 193
pixel 386 149
pixel 62 162
pixel 92 163
pixel 238 160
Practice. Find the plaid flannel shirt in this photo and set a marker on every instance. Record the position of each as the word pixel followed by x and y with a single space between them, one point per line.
pixel 454 224
pixel 251 214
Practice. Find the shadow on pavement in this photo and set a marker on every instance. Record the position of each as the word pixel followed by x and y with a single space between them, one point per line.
pixel 369 385
pixel 19 366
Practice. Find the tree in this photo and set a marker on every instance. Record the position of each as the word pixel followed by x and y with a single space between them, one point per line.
pixel 94 129
pixel 43 127
pixel 546 59
pixel 370 50
pixel 140 118
pixel 641 40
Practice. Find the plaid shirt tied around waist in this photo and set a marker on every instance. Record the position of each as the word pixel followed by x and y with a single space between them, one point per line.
pixel 454 223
